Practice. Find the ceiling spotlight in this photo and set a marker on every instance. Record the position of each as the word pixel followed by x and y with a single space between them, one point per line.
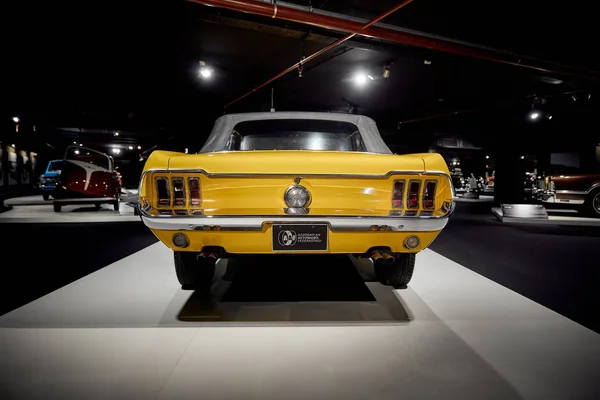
pixel 16 120
pixel 139 147
pixel 552 81
pixel 117 133
pixel 487 157
pixel 130 147
pixel 13 145
pixel 76 152
pixel 522 157
pixel 574 98
pixel 589 96
pixel 386 70
pixel 205 72
pixel 116 150
pixel 360 79
pixel 534 115
pixel 74 142
pixel 80 144
pixel 427 62
pixel 549 116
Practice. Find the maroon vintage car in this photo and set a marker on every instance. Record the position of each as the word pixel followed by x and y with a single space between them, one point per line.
pixel 87 177
pixel 581 190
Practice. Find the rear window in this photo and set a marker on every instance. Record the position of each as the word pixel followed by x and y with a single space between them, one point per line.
pixel 296 134
pixel 88 156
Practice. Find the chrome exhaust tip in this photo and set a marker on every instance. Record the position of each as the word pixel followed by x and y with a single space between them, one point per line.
pixel 203 254
pixel 377 257
pixel 388 258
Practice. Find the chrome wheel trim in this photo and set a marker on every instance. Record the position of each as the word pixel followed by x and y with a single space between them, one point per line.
pixel 596 203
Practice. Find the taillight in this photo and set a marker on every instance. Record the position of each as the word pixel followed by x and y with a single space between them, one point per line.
pixel 398 194
pixel 162 192
pixel 414 189
pixel 194 185
pixel 429 194
pixel 178 192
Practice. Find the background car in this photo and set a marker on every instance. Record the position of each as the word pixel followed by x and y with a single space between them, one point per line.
pixel 87 177
pixel 295 183
pixel 49 178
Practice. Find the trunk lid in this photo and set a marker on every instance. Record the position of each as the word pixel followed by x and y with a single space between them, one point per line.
pixel 296 162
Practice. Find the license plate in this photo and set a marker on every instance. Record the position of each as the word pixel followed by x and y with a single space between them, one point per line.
pixel 306 237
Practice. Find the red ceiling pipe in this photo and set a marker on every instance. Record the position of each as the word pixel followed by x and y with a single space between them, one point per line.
pixel 413 39
pixel 289 14
pixel 323 50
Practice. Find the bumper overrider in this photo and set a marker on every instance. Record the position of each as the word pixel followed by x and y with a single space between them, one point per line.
pixel 254 234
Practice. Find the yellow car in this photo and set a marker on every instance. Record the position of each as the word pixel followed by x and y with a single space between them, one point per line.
pixel 295 183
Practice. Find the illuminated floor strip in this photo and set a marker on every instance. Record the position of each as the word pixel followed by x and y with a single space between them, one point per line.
pixel 120 333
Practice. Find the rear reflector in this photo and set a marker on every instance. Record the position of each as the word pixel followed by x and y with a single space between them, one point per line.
pixel 194 185
pixel 178 192
pixel 162 191
pixel 398 194
pixel 411 242
pixel 414 189
pixel 429 194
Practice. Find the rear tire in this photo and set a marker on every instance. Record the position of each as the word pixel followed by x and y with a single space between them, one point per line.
pixel 399 273
pixel 57 207
pixel 591 207
pixel 193 272
pixel 46 196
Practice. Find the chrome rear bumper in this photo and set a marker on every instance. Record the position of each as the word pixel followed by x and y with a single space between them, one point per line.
pixel 336 224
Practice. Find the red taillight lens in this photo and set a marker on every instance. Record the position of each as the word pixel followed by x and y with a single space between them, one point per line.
pixel 414 190
pixel 194 185
pixel 429 194
pixel 398 194
pixel 178 192
pixel 162 192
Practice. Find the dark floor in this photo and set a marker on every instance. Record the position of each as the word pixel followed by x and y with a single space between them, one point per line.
pixel 40 258
pixel 557 267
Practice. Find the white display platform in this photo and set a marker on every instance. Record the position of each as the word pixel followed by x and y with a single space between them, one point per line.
pixel 483 198
pixel 453 334
pixel 569 218
pixel 34 209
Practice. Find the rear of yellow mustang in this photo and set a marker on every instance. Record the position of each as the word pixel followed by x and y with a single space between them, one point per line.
pixel 258 200
pixel 269 202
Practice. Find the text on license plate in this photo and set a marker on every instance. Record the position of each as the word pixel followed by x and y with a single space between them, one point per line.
pixel 302 237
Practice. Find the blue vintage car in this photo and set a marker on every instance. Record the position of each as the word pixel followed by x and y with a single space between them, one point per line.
pixel 49 178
